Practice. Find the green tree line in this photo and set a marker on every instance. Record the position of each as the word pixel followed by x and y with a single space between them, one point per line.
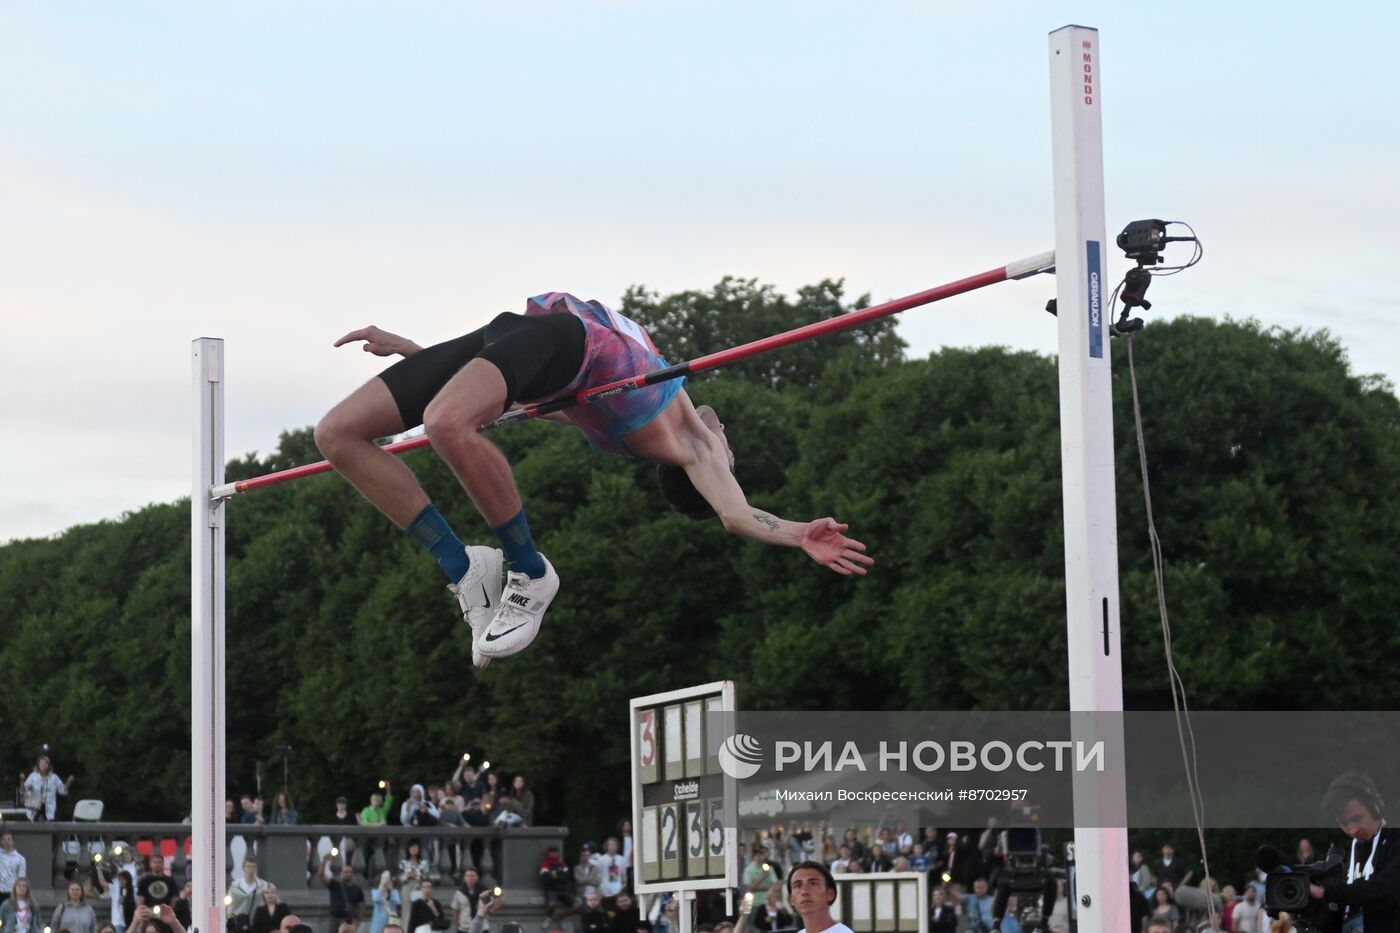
pixel 1275 476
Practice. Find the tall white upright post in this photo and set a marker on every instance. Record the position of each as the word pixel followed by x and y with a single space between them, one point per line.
pixel 1086 448
pixel 207 852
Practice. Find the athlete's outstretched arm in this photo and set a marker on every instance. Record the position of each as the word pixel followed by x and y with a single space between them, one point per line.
pixel 821 539
pixel 380 342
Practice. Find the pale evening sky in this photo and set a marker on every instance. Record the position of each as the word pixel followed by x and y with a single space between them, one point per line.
pixel 278 173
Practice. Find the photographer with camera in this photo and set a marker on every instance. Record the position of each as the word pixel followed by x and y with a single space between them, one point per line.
pixel 1024 870
pixel 156 919
pixel 1368 897
pixel 487 904
pixel 474 902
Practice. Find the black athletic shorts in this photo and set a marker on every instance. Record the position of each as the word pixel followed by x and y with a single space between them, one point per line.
pixel 537 356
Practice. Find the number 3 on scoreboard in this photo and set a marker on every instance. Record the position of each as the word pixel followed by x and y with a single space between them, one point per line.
pixel 646 746
pixel 695 841
pixel 670 848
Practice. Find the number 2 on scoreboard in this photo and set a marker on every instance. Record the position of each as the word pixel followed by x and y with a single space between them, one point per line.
pixel 669 825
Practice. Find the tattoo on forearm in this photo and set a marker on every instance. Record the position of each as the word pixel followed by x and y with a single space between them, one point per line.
pixel 764 518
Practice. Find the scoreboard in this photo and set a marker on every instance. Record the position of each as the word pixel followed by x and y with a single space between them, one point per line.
pixel 888 902
pixel 684 808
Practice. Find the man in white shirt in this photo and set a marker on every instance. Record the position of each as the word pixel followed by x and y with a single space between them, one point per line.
pixel 12 866
pixel 1248 917
pixel 613 869
pixel 812 891
pixel 246 893
pixel 843 862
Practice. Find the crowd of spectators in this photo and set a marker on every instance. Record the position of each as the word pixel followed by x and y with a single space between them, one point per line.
pixel 594 895
pixel 468 798
pixel 121 894
pixel 965 871
pixel 1168 903
pixel 410 895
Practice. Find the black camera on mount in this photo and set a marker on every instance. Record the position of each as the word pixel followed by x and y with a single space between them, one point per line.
pixel 1142 241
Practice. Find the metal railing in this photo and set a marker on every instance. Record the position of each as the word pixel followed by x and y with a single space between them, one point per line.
pixel 290 856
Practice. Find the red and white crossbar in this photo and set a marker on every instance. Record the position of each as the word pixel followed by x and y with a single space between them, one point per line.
pixel 1044 262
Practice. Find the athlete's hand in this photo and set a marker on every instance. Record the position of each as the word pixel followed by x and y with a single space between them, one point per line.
pixel 824 543
pixel 380 342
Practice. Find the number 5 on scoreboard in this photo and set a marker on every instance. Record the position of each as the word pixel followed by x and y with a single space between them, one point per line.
pixel 714 838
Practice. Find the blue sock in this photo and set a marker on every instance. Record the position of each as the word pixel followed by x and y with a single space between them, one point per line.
pixel 519 548
pixel 431 530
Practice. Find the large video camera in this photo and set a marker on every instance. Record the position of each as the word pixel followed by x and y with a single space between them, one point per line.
pixel 1286 885
pixel 1028 861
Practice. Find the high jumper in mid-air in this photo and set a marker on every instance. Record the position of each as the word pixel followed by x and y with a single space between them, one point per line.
pixel 558 348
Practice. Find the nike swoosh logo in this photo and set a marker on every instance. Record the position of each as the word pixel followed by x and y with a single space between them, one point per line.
pixel 485 597
pixel 490 637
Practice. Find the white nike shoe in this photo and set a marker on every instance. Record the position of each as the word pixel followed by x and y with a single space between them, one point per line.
pixel 479 593
pixel 522 606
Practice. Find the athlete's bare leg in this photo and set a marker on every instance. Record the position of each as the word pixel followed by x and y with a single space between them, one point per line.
pixel 476 395
pixel 346 438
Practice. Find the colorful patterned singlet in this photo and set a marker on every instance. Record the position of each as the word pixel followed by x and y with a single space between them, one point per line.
pixel 615 348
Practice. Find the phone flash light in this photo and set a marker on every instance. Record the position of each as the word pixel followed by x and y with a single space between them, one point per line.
pixel 334 851
pixel 466 756
pixel 381 785
pixel 496 892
